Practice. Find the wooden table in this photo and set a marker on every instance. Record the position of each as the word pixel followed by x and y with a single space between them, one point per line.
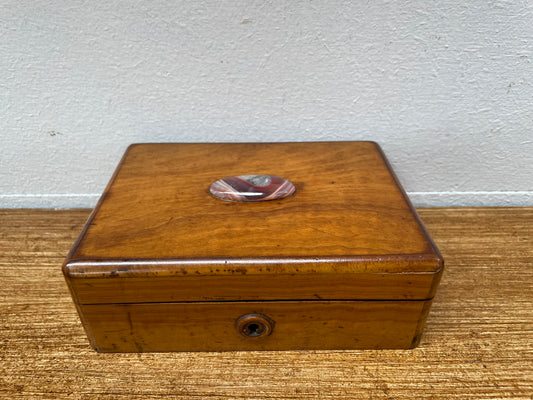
pixel 478 342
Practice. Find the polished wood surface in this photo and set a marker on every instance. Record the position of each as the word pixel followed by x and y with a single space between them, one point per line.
pixel 476 344
pixel 348 233
pixel 298 325
pixel 257 287
pixel 348 213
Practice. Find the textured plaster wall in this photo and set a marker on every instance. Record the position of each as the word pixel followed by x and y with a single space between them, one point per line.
pixel 445 87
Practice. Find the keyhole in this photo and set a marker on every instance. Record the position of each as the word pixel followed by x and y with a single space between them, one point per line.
pixel 254 325
pixel 254 329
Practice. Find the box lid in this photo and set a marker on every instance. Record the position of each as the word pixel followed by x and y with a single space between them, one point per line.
pixel 349 230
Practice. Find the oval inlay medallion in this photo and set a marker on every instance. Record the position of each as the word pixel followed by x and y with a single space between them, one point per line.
pixel 252 188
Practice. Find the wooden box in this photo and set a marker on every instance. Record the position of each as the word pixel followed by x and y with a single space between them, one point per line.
pixel 343 263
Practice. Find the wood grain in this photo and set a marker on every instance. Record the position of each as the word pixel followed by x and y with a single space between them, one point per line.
pixel 157 234
pixel 298 325
pixel 477 343
pixel 348 212
pixel 257 287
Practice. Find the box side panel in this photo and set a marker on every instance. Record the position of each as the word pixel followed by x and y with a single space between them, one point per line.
pixel 296 325
pixel 149 289
pixel 73 293
pixel 421 324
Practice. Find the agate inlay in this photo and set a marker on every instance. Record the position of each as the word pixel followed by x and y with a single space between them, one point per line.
pixel 252 188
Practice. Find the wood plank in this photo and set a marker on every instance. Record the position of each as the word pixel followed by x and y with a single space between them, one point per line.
pixel 348 213
pixel 478 340
pixel 295 325
pixel 419 286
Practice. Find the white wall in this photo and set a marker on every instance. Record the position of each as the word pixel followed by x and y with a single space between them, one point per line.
pixel 446 87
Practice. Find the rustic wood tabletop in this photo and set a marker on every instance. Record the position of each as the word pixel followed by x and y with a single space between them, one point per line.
pixel 478 341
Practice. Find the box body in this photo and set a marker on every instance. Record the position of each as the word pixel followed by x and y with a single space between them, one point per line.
pixel 344 263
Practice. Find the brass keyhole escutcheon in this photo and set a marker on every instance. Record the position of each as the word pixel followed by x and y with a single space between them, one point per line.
pixel 254 325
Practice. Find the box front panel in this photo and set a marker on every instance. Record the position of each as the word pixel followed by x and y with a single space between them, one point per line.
pixel 150 289
pixel 288 325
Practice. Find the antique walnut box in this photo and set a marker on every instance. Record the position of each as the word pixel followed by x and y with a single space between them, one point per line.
pixel 342 262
